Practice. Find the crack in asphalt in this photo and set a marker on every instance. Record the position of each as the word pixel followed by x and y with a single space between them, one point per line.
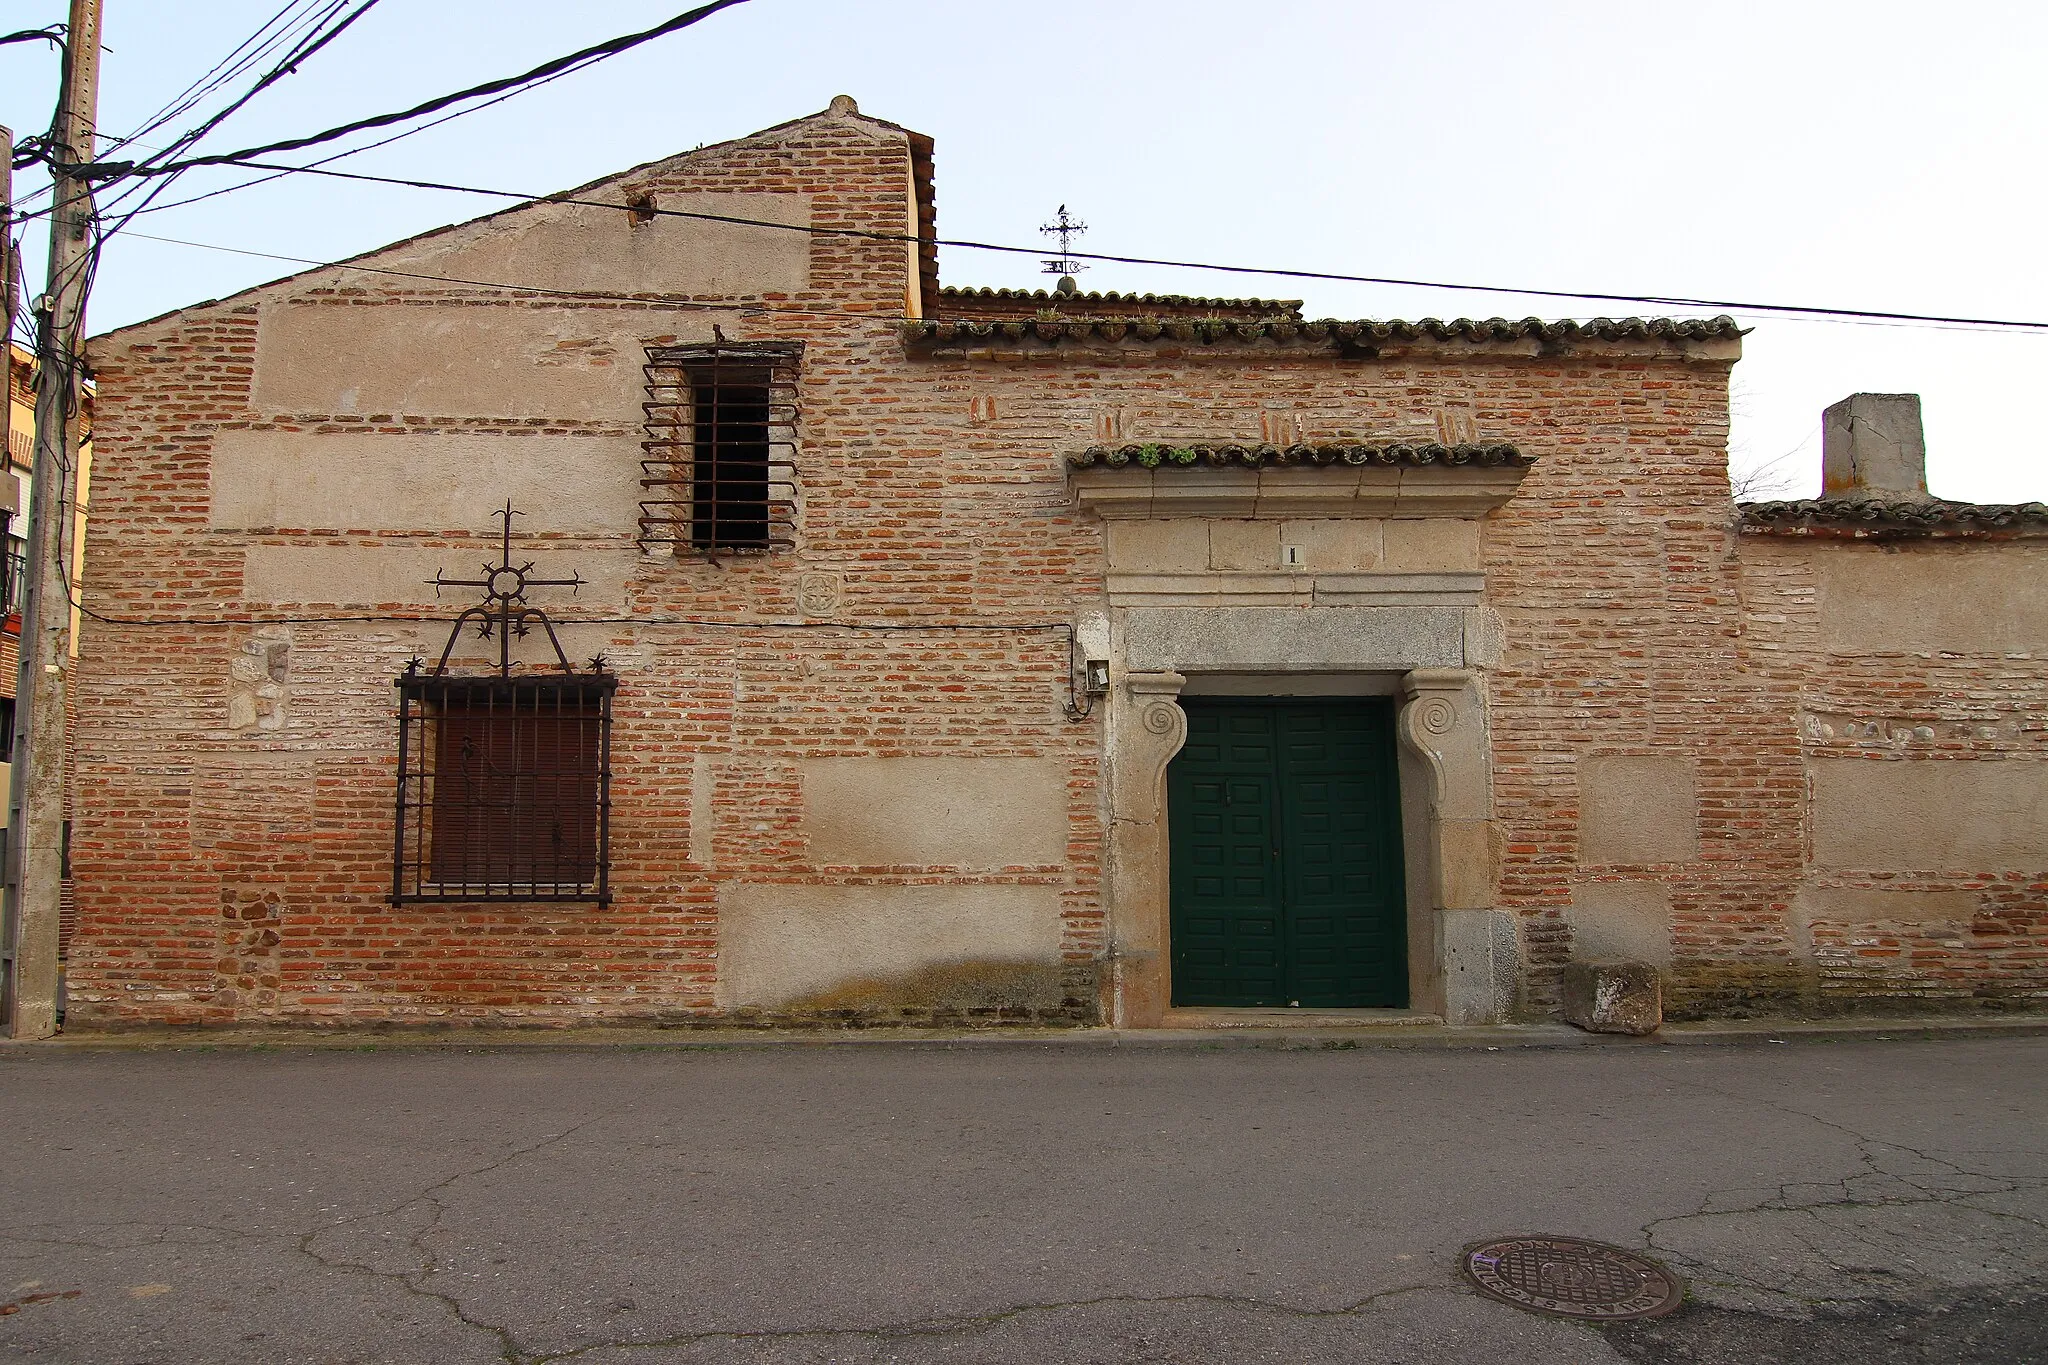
pixel 977 1323
pixel 1851 1192
pixel 426 1261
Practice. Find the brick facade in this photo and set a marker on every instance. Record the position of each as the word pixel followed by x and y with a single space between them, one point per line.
pixel 239 873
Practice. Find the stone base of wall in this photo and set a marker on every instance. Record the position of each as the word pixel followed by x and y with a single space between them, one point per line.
pixel 1698 990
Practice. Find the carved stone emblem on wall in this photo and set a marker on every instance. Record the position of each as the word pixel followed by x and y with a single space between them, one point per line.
pixel 817 594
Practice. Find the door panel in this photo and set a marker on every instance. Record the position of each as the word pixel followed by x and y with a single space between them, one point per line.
pixel 1284 827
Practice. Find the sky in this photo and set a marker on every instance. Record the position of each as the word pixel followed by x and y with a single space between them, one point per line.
pixel 1875 155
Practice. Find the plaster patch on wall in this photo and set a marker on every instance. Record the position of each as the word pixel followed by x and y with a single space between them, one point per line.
pixel 1930 815
pixel 1637 808
pixel 569 246
pixel 1926 601
pixel 935 812
pixel 403 575
pixel 1630 921
pixel 781 944
pixel 424 481
pixel 459 359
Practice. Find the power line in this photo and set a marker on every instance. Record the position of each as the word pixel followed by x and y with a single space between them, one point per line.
pixel 966 244
pixel 256 45
pixel 53 34
pixel 288 65
pixel 115 170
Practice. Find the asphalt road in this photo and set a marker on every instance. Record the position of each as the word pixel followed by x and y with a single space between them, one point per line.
pixel 1868 1202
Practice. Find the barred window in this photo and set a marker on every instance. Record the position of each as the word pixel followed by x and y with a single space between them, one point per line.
pixel 504 788
pixel 719 461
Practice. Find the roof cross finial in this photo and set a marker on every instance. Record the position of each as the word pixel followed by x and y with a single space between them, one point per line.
pixel 1066 228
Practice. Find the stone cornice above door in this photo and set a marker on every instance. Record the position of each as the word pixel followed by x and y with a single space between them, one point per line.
pixel 1278 483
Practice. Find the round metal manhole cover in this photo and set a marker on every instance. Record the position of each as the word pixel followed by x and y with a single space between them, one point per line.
pixel 1573 1278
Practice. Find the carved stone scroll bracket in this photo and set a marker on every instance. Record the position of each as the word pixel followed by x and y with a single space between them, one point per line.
pixel 1146 729
pixel 1164 727
pixel 1443 725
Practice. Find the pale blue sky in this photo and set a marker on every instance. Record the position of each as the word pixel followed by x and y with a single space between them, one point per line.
pixel 1873 155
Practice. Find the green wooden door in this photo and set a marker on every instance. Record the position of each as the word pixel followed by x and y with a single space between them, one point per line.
pixel 1283 816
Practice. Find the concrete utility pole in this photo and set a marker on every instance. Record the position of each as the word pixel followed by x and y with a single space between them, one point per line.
pixel 35 823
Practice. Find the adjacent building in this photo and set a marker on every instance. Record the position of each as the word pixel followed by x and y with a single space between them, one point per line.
pixel 667 602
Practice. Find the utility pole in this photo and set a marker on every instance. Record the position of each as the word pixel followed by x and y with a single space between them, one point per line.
pixel 35 823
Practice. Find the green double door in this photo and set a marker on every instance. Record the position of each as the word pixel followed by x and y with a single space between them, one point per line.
pixel 1284 822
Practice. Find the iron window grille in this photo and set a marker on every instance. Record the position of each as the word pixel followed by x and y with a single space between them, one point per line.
pixel 718 465
pixel 504 779
pixel 504 788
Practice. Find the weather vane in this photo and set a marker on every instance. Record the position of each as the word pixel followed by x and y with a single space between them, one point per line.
pixel 504 612
pixel 1065 228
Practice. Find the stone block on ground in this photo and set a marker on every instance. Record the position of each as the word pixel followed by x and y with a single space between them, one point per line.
pixel 1613 997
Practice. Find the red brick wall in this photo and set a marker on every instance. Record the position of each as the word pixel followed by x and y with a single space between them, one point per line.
pixel 239 876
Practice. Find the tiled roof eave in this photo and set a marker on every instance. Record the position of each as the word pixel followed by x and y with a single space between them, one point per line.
pixel 1892 519
pixel 1155 455
pixel 1050 298
pixel 1344 335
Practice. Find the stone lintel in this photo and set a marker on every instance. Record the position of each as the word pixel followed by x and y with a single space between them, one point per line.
pixel 1283 493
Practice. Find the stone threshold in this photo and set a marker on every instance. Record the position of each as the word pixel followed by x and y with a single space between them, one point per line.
pixel 1203 1017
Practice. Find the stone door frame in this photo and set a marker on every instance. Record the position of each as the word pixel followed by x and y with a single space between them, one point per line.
pixel 1462 950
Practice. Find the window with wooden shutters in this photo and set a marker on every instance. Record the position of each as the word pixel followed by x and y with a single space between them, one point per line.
pixel 719 472
pixel 503 788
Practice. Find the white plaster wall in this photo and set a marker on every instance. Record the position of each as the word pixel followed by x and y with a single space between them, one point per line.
pixel 424 481
pixel 1955 598
pixel 782 945
pixel 461 359
pixel 943 812
pixel 1930 815
pixel 353 575
pixel 566 246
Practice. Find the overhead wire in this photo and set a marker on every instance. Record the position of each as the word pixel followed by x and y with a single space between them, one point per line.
pixel 357 151
pixel 968 244
pixel 228 67
pixel 320 37
pixel 508 86
pixel 587 56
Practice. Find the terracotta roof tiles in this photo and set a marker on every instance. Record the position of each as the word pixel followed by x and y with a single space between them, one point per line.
pixel 1878 518
pixel 1350 334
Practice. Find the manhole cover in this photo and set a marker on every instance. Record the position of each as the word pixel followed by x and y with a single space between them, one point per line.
pixel 1572 1278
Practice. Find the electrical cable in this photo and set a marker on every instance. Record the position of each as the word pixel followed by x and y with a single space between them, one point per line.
pixel 967 244
pixel 306 48
pixel 54 33
pixel 355 151
pixel 562 66
pixel 120 170
pixel 232 65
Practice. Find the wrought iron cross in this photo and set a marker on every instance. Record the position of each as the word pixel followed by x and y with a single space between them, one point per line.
pixel 504 611
pixel 1066 229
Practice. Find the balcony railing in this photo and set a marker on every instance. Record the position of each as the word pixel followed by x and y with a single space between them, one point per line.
pixel 13 572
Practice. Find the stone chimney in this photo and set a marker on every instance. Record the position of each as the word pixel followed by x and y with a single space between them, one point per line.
pixel 1871 445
